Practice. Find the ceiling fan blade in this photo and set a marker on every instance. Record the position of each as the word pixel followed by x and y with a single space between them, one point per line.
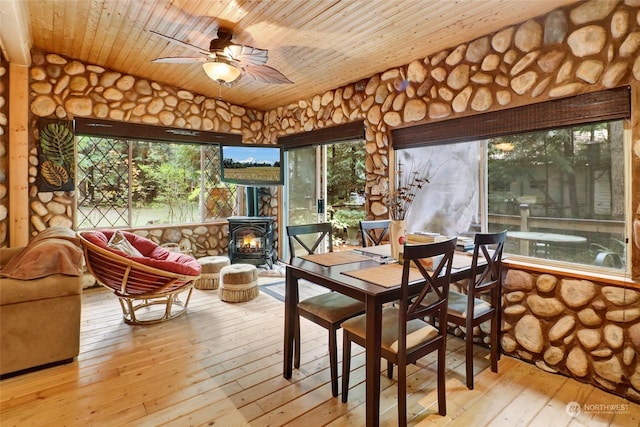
pixel 265 74
pixel 247 55
pixel 181 60
pixel 181 43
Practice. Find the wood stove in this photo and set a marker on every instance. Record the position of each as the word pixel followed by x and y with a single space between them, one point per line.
pixel 251 240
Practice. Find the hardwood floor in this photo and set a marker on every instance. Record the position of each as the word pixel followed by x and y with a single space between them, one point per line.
pixel 221 364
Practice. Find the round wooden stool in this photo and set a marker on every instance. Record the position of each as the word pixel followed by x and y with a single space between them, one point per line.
pixel 239 283
pixel 211 266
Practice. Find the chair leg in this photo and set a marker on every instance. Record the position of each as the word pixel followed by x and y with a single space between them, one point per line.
pixel 402 393
pixel 389 369
pixel 469 356
pixel 442 380
pixel 346 365
pixel 333 361
pixel 495 351
pixel 296 342
pixel 498 322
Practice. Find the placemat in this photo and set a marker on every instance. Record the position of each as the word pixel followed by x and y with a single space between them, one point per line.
pixel 461 260
pixel 380 250
pixel 335 258
pixel 387 275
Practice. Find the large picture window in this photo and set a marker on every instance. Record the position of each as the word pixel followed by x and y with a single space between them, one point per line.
pixel 560 193
pixel 554 174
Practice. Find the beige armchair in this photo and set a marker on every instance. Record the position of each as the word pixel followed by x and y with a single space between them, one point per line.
pixel 40 315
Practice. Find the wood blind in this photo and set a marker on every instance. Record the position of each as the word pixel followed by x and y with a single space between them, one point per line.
pixel 328 135
pixel 96 127
pixel 580 109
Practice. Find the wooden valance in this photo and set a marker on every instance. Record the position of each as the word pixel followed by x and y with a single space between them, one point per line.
pixel 328 135
pixel 558 113
pixel 97 127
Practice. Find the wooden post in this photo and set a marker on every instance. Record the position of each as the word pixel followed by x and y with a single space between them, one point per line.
pixel 18 155
pixel 524 226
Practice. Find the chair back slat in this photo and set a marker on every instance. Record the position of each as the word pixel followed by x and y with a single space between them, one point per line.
pixel 315 235
pixel 436 279
pixel 374 231
pixel 436 286
pixel 488 249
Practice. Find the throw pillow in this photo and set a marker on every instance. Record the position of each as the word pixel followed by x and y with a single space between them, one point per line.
pixel 119 242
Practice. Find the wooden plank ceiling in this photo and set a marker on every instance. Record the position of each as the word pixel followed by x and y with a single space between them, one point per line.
pixel 318 44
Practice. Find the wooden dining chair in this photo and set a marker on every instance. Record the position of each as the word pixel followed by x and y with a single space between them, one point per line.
pixel 374 231
pixel 329 309
pixel 468 309
pixel 406 337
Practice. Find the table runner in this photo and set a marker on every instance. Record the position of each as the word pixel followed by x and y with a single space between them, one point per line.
pixel 387 275
pixel 336 258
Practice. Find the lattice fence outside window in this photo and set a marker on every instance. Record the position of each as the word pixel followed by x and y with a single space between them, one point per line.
pixel 128 183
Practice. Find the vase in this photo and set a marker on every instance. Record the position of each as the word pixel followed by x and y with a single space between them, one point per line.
pixel 397 237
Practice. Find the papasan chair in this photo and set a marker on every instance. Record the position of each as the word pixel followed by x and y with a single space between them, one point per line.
pixel 141 273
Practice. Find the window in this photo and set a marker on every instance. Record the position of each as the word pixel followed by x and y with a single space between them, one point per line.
pixel 125 182
pixel 565 198
pixel 559 192
pixel 552 174
pixel 450 203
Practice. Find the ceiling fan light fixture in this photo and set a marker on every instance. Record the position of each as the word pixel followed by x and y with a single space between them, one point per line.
pixel 221 71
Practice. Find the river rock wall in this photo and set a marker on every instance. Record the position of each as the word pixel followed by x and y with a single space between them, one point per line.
pixel 64 88
pixel 576 327
pixel 584 48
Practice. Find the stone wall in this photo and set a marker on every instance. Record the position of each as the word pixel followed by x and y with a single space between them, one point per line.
pixel 585 48
pixel 199 240
pixel 65 88
pixel 575 327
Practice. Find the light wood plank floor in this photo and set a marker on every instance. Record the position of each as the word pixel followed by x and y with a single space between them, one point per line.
pixel 221 364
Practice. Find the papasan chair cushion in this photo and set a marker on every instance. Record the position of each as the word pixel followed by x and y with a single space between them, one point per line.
pixel 153 255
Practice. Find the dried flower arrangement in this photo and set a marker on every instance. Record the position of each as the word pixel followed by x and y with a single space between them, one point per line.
pixel 408 183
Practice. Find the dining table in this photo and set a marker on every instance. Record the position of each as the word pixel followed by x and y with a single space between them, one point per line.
pixel 369 275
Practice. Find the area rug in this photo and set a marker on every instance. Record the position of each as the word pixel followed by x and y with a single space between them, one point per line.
pixel 276 270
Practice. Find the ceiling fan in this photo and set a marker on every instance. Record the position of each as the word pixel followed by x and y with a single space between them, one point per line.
pixel 226 62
